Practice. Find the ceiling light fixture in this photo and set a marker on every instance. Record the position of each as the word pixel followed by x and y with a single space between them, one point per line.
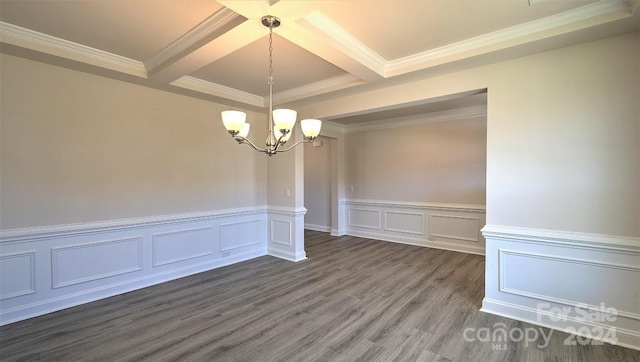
pixel 281 121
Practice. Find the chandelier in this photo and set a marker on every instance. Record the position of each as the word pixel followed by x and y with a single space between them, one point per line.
pixel 281 121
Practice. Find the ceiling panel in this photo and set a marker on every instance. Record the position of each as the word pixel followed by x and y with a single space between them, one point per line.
pixel 428 24
pixel 248 68
pixel 133 29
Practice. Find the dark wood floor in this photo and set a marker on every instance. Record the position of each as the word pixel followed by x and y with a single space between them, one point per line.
pixel 354 300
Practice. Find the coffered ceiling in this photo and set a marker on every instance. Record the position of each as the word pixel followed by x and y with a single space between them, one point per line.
pixel 218 50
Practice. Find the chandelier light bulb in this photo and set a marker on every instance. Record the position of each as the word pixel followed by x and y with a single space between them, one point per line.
pixel 284 118
pixel 244 132
pixel 311 127
pixel 233 120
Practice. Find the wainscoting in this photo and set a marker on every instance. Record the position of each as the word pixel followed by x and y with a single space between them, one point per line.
pixel 442 226
pixel 581 283
pixel 51 268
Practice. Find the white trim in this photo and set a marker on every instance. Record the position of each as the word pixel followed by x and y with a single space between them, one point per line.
pixel 610 243
pixel 386 222
pixel 331 127
pixel 345 42
pixel 87 284
pixel 412 237
pixel 477 226
pixel 314 227
pixel 376 227
pixel 56 283
pixel 625 337
pixel 218 90
pixel 618 253
pixel 415 205
pixel 579 18
pixel 154 246
pixel 66 230
pixel 432 117
pixel 289 237
pixel 549 298
pixel 287 211
pixel 32 277
pixel 470 249
pixel 30 39
pixel 237 246
pixel 286 255
pixel 317 88
pixel 192 38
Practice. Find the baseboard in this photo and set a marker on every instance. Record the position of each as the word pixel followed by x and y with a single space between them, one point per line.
pixel 287 255
pixel 419 242
pixel 336 232
pixel 624 337
pixel 314 227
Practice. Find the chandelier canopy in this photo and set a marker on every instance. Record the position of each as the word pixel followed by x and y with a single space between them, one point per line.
pixel 281 121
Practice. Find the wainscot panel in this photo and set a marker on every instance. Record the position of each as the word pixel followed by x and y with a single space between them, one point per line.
pixel 45 269
pixel 582 284
pixel 286 233
pixel 17 274
pixel 443 226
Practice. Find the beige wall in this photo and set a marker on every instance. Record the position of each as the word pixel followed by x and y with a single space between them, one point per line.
pixel 563 134
pixel 441 162
pixel 563 143
pixel 317 182
pixel 77 148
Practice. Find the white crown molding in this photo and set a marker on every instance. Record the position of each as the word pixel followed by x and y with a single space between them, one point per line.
pixel 345 42
pixel 331 127
pixel 585 16
pixel 192 38
pixel 433 117
pixel 566 238
pixel 313 89
pixel 32 233
pixel 203 86
pixel 29 39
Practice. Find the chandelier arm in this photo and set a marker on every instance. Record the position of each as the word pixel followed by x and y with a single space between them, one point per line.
pixel 245 141
pixel 306 140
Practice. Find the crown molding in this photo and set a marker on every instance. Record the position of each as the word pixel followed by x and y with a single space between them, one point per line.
pixel 331 127
pixel 29 39
pixel 585 16
pixel 313 89
pixel 218 90
pixel 345 42
pixel 433 117
pixel 192 38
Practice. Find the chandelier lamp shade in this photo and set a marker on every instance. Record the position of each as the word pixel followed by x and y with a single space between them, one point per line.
pixel 281 121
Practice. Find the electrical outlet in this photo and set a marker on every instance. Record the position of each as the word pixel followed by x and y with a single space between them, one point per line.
pixel 287 192
pixel 351 188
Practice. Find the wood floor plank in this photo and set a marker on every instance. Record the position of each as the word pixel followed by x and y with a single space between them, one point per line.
pixel 353 299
